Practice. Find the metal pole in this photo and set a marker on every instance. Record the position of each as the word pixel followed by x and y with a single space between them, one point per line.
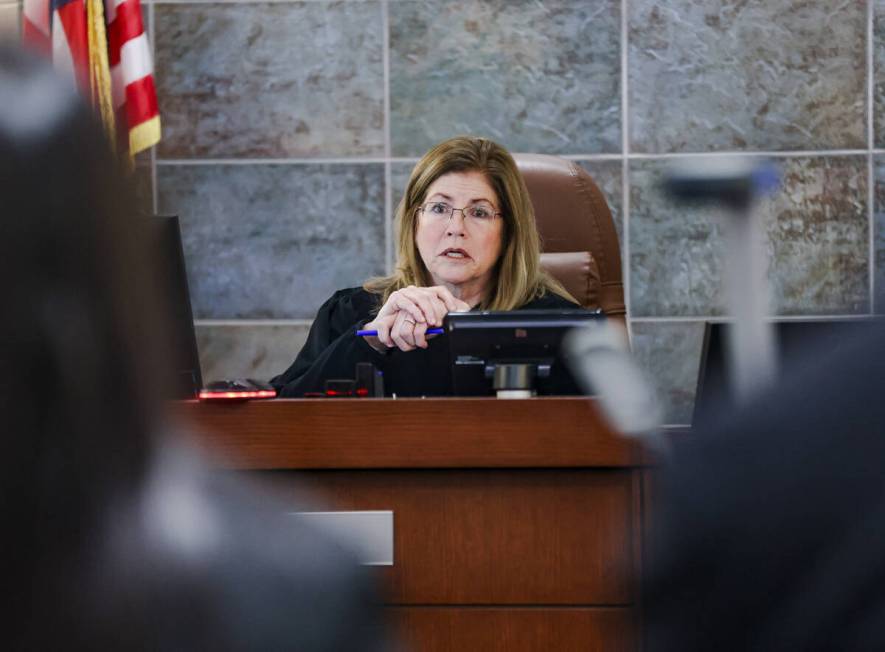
pixel 736 184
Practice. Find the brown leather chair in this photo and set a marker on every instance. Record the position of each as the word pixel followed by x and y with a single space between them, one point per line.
pixel 579 243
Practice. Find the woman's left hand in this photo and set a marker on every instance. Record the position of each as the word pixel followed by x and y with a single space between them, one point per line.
pixel 407 334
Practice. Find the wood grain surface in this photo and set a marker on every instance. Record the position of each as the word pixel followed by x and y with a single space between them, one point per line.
pixel 515 630
pixel 410 433
pixel 518 524
pixel 494 536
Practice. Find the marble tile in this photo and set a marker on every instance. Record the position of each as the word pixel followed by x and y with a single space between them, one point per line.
pixel 879 72
pixel 674 251
pixel 535 75
pixel 608 176
pixel 670 354
pixel 270 80
pixel 818 237
pixel 275 241
pixel 816 242
pixel 10 22
pixel 879 236
pixel 399 177
pixel 706 75
pixel 248 351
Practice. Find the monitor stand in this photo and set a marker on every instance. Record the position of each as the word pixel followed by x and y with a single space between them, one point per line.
pixel 516 380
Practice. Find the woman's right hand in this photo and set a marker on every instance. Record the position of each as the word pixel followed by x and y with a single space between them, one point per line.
pixel 405 317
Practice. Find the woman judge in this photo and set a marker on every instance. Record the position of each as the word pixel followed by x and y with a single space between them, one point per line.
pixel 466 240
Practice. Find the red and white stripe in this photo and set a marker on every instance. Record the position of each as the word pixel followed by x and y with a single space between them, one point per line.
pixel 35 25
pixel 132 71
pixel 129 55
pixel 67 43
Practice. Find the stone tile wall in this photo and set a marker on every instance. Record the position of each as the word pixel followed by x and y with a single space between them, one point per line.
pixel 291 126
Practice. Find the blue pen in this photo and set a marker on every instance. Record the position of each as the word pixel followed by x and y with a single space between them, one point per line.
pixel 430 331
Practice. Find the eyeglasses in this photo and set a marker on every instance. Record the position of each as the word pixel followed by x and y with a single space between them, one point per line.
pixel 478 213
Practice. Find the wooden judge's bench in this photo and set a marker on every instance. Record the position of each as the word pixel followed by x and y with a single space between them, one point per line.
pixel 517 524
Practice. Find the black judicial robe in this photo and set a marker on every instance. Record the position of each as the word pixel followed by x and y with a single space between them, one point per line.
pixel 332 351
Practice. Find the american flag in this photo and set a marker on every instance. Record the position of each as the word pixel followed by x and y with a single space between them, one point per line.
pixel 103 46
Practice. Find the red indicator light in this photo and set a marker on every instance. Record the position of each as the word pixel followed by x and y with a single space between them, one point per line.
pixel 362 391
pixel 209 395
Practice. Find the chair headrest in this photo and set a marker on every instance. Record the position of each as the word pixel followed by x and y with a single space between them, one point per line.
pixel 573 216
pixel 577 272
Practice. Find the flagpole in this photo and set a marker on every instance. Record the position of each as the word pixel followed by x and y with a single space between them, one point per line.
pixel 99 68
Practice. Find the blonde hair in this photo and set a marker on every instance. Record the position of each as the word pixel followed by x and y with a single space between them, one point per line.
pixel 518 277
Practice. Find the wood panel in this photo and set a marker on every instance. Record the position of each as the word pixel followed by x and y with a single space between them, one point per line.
pixel 416 433
pixel 518 524
pixel 451 629
pixel 495 536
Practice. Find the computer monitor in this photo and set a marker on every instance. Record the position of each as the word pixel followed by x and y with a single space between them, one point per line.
pixel 480 342
pixel 796 340
pixel 162 236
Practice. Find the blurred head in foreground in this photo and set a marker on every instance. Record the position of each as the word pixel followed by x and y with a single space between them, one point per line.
pixel 77 377
pixel 115 539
